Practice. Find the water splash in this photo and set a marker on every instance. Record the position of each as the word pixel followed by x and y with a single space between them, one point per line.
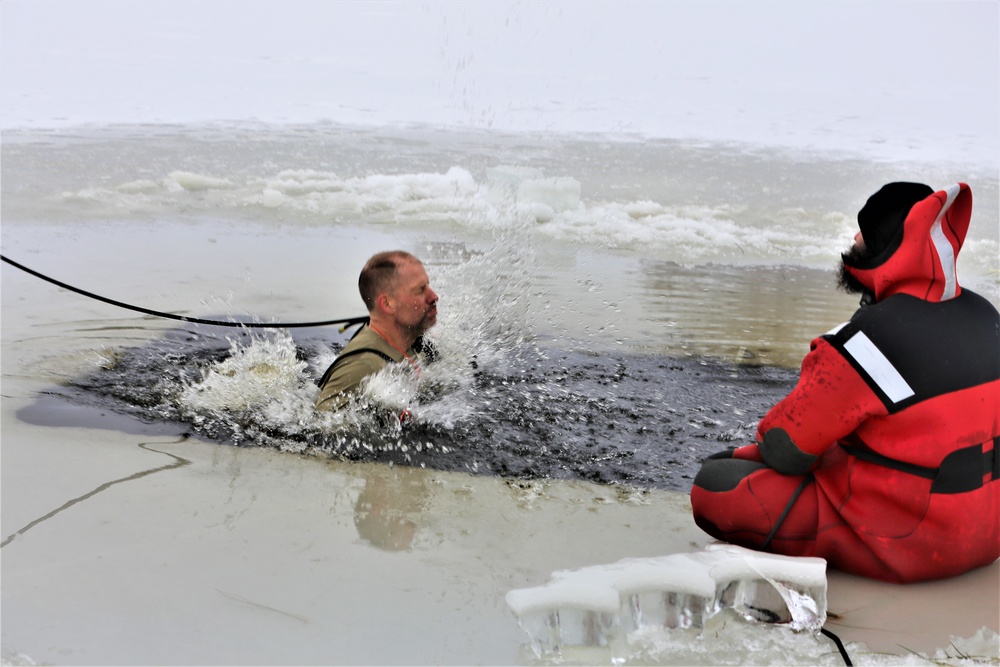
pixel 497 401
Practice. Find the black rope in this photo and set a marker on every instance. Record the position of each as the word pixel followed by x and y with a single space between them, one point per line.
pixel 346 322
pixel 788 508
pixel 808 477
pixel 840 646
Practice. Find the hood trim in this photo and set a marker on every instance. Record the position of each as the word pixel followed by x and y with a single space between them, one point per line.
pixel 944 249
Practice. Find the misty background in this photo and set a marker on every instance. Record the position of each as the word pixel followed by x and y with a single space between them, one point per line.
pixel 891 80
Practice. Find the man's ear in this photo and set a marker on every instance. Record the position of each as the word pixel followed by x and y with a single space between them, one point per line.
pixel 384 303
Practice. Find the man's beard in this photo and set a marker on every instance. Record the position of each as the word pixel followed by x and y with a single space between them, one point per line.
pixel 857 255
pixel 425 323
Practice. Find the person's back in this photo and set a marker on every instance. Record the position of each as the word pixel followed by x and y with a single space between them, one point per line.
pixel 947 358
pixel 926 451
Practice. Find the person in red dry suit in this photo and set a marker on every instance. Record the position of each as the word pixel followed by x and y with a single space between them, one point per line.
pixel 883 459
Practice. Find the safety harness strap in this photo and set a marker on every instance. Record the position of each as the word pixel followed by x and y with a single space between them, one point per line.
pixel 351 353
pixel 806 479
pixel 962 470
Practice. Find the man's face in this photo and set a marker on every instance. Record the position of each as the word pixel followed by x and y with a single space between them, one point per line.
pixel 414 302
pixel 856 254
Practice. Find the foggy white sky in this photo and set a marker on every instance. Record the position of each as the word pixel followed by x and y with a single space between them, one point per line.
pixel 893 75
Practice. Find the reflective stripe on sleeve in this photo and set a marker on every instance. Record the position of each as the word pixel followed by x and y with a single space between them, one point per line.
pixel 881 370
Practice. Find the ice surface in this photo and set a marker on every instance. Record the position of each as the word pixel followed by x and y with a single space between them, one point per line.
pixel 604 67
pixel 612 605
pixel 563 204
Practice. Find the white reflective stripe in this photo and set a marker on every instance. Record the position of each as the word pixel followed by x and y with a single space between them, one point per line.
pixel 836 329
pixel 943 246
pixel 878 367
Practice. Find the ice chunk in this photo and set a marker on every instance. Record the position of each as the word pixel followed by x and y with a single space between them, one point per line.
pixel 667 593
pixel 770 588
pixel 981 648
pixel 271 198
pixel 568 595
pixel 536 195
pixel 561 194
pixel 567 616
pixel 606 605
pixel 187 180
pixel 511 176
pixel 668 609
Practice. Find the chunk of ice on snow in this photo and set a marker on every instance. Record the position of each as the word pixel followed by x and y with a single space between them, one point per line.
pixel 600 606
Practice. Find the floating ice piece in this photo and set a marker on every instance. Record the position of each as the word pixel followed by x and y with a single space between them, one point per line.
pixel 511 176
pixel 541 196
pixel 561 194
pixel 603 605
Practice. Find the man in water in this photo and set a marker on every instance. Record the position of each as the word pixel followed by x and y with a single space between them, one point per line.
pixel 883 459
pixel 401 308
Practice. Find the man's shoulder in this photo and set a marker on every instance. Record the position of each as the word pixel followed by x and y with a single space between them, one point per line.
pixel 908 314
pixel 365 354
pixel 368 340
pixel 922 348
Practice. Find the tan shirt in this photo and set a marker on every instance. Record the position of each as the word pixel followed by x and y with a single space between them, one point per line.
pixel 348 374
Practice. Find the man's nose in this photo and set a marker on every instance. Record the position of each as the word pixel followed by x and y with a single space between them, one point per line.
pixel 433 296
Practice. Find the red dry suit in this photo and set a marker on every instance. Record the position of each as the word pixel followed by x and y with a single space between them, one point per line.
pixel 883 460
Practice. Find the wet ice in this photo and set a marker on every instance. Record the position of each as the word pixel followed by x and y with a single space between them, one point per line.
pixel 611 606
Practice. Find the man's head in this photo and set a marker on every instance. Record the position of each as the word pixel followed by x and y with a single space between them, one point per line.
pixel 881 224
pixel 396 289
